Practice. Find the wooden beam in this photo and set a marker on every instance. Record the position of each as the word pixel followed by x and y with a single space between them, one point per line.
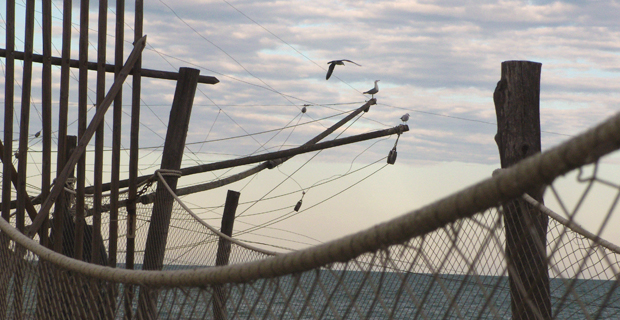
pixel 174 146
pixel 46 113
pixel 517 104
pixel 81 147
pixel 149 73
pixel 223 252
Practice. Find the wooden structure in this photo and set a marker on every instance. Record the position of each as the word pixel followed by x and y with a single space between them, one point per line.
pixel 67 231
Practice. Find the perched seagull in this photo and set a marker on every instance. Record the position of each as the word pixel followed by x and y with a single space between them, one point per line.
pixel 332 65
pixel 374 90
pixel 405 117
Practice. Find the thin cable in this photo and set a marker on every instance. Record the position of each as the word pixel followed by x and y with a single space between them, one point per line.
pixel 294 213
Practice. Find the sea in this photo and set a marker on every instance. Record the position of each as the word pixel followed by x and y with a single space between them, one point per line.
pixel 338 294
pixel 329 294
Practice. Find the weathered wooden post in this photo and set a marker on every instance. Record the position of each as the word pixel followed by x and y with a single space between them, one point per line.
pixel 517 99
pixel 223 252
pixel 171 160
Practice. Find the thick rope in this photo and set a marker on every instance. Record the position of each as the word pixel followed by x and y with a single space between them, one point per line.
pixel 208 226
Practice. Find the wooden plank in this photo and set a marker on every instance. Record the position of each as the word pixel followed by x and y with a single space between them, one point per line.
pixel 99 135
pixel 7 189
pixel 149 73
pixel 22 159
pixel 80 222
pixel 46 113
pixel 116 134
pixel 134 145
pixel 81 147
pixel 517 104
pixel 63 111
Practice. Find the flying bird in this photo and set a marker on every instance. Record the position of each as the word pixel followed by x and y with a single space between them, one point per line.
pixel 374 90
pixel 405 117
pixel 332 65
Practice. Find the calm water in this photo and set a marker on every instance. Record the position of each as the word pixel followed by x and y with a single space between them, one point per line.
pixel 329 294
pixel 420 296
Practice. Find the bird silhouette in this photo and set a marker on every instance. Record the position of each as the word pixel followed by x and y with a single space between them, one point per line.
pixel 374 90
pixel 405 117
pixel 332 65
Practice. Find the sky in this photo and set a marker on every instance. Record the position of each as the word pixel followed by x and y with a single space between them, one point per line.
pixel 439 61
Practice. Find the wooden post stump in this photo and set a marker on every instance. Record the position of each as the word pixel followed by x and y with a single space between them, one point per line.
pixel 516 100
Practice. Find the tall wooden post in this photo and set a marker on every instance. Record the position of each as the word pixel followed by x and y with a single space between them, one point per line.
pixel 223 252
pixel 516 100
pixel 171 160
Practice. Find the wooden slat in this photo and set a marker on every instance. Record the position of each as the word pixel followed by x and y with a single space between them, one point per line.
pixel 46 112
pixel 116 134
pixel 80 222
pixel 149 73
pixel 63 111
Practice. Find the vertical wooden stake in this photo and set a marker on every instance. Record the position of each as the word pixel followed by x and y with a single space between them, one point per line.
pixel 516 100
pixel 63 111
pixel 7 165
pixel 171 159
pixel 80 222
pixel 223 252
pixel 46 106
pixel 116 134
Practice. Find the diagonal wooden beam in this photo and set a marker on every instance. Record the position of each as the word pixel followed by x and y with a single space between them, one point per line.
pixel 90 131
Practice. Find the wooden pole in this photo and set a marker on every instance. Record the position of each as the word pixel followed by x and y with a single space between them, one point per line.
pixel 80 222
pixel 61 214
pixel 223 252
pixel 99 135
pixel 9 82
pixel 134 145
pixel 24 126
pixel 46 106
pixel 517 98
pixel 63 111
pixel 116 134
pixel 171 160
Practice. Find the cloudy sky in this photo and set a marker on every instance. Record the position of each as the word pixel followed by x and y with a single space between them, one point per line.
pixel 439 61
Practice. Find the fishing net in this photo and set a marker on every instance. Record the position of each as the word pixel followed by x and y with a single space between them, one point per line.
pixel 448 260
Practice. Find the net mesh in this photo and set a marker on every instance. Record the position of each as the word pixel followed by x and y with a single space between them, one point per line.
pixel 448 260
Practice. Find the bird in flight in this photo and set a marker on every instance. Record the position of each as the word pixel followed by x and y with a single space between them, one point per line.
pixel 405 117
pixel 332 65
pixel 374 90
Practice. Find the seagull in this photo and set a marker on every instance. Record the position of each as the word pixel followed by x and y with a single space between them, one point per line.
pixel 405 117
pixel 374 90
pixel 332 65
